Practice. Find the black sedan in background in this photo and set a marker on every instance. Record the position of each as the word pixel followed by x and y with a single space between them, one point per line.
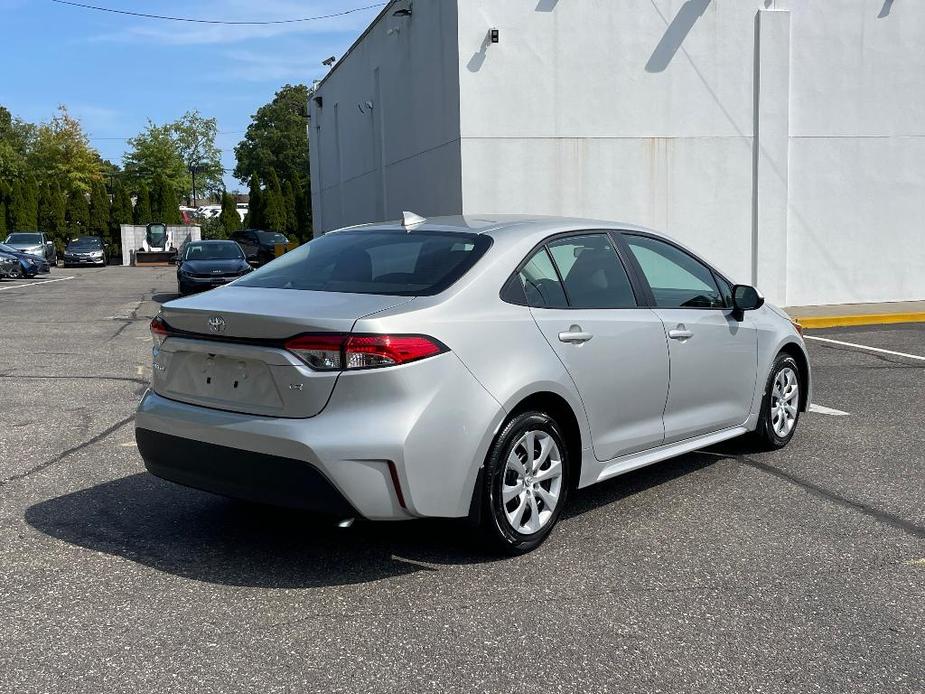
pixel 259 246
pixel 208 264
pixel 85 250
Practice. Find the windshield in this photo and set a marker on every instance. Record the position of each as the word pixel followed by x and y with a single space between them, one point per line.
pixel 24 238
pixel 271 237
pixel 226 250
pixel 157 234
pixel 90 244
pixel 419 263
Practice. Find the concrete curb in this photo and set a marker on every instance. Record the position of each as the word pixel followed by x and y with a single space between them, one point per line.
pixel 811 322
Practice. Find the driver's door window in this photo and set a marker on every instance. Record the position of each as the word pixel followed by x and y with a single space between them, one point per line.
pixel 677 280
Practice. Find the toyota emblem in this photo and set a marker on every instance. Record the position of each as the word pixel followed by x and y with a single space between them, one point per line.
pixel 216 324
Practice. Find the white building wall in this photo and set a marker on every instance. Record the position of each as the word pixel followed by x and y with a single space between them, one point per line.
pixel 783 139
pixel 856 229
pixel 402 152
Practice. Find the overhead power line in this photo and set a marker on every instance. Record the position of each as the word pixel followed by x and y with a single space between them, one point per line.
pixel 145 15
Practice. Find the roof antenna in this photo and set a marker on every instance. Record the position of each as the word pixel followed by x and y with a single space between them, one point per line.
pixel 410 220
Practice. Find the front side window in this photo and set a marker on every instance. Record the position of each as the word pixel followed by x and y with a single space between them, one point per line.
pixel 677 280
pixel 592 272
pixel 372 261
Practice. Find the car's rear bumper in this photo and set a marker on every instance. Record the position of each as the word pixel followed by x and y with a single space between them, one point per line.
pixel 395 443
pixel 240 474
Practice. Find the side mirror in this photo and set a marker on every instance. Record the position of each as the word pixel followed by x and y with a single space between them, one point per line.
pixel 746 298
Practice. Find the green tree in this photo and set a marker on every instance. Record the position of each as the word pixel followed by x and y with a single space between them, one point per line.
pixel 22 207
pixel 78 213
pixel 153 153
pixel 255 205
pixel 5 190
pixel 274 207
pixel 165 204
pixel 303 210
pixel 194 136
pixel 99 210
pixel 16 138
pixel 229 217
pixel 142 212
pixel 53 212
pixel 61 152
pixel 277 138
pixel 292 219
pixel 120 212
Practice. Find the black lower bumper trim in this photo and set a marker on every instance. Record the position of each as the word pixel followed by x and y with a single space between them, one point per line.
pixel 239 474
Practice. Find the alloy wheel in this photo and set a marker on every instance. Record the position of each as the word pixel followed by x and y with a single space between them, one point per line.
pixel 785 401
pixel 532 482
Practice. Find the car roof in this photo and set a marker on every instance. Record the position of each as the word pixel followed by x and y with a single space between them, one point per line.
pixel 506 224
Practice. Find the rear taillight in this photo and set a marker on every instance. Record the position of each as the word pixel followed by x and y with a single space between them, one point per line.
pixel 321 352
pixel 335 352
pixel 159 331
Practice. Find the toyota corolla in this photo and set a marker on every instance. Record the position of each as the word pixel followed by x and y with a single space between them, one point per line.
pixel 462 367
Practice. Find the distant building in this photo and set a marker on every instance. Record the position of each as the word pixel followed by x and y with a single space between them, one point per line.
pixel 783 139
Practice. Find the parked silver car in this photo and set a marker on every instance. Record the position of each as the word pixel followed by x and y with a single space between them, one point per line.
pixel 464 367
pixel 35 243
pixel 9 266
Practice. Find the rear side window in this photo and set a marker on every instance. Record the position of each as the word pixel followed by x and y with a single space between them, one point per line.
pixel 677 280
pixel 399 263
pixel 592 273
pixel 541 283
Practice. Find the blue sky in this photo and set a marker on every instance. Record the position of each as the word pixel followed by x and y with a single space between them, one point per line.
pixel 114 72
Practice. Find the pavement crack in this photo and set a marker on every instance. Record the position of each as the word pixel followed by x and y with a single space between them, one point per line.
pixel 70 451
pixel 828 495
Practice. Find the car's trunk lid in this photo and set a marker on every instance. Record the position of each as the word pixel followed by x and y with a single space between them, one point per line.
pixel 229 355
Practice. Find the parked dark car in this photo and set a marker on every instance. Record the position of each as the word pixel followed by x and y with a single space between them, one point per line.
pixel 85 250
pixel 8 265
pixel 259 246
pixel 35 243
pixel 208 264
pixel 25 265
pixel 39 260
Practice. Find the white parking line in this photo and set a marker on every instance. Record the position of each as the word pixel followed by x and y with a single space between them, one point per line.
pixel 864 347
pixel 821 409
pixel 33 284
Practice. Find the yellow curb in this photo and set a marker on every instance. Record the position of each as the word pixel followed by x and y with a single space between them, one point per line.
pixel 811 322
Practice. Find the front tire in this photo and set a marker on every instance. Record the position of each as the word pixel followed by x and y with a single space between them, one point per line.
pixel 527 476
pixel 780 408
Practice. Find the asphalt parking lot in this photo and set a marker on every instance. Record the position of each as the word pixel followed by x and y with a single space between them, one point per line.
pixel 726 570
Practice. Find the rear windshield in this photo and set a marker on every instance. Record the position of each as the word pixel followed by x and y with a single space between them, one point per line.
pixel 213 251
pixel 400 263
pixel 89 242
pixel 24 238
pixel 271 237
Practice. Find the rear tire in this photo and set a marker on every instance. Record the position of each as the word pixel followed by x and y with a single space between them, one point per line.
pixel 525 490
pixel 780 407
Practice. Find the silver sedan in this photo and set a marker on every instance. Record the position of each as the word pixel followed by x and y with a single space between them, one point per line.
pixel 464 367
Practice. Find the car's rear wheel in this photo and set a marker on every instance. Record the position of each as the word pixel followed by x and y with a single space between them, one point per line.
pixel 780 408
pixel 526 483
pixel 16 273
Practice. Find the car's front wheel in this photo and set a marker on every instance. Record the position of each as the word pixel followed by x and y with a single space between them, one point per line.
pixel 780 408
pixel 526 483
